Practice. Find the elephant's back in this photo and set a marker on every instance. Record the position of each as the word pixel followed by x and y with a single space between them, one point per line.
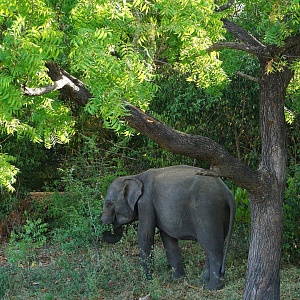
pixel 180 189
pixel 183 178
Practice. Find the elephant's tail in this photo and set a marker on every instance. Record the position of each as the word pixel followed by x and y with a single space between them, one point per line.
pixel 231 203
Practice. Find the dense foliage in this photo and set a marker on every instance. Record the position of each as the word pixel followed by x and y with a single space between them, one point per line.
pixel 158 55
pixel 117 48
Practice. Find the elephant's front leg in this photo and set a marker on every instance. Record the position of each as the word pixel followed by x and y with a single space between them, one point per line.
pixel 173 254
pixel 146 240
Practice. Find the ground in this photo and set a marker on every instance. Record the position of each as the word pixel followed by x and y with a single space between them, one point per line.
pixel 100 271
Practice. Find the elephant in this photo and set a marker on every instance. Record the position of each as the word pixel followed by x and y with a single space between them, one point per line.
pixel 183 206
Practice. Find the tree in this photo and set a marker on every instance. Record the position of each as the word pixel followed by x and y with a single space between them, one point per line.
pixel 116 47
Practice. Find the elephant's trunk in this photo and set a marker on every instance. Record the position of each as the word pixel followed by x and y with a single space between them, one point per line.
pixel 112 238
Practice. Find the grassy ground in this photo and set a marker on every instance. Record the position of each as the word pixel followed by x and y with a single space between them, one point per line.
pixel 64 270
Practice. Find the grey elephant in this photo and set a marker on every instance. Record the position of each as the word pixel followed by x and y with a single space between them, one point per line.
pixel 183 206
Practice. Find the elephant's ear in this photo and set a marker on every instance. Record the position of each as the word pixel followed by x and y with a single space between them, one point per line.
pixel 132 191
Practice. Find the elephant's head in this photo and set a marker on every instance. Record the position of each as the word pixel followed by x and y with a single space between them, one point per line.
pixel 120 206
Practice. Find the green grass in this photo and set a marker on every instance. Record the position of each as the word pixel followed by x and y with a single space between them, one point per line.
pixel 100 271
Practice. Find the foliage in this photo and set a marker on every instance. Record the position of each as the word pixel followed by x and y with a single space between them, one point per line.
pixel 27 41
pixel 37 166
pixel 228 118
pixel 117 49
pixel 75 214
pixel 7 171
pixel 21 58
pixel 111 45
pixel 291 243
pixel 243 208
pixel 23 244
pixel 293 112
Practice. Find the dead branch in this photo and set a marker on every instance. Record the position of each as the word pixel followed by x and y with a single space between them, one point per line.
pixel 255 79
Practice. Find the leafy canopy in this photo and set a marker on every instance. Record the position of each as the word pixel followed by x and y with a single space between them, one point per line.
pixel 116 48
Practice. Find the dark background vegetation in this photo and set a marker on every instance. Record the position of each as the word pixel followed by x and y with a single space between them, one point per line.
pixel 54 245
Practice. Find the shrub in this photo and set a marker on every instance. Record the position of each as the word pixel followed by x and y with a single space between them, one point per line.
pixel 23 244
pixel 242 206
pixel 74 216
pixel 291 233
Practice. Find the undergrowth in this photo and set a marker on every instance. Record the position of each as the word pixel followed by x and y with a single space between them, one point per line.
pixel 58 252
pixel 100 271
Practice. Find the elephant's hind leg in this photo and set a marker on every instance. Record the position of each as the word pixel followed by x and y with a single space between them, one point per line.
pixel 215 281
pixel 173 254
pixel 206 271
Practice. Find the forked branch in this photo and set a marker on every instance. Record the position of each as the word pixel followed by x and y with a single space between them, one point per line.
pixel 69 86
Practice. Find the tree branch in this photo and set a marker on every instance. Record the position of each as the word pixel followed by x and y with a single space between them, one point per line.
pixel 250 44
pixel 290 42
pixel 255 79
pixel 221 162
pixel 243 35
pixel 234 45
pixel 224 6
pixel 69 86
pixel 194 146
pixel 57 85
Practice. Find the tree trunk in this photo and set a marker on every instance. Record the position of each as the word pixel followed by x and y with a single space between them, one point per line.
pixel 262 279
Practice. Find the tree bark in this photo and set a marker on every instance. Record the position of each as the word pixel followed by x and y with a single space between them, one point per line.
pixel 262 278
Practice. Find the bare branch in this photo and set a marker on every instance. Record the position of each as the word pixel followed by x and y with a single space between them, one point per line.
pixel 290 42
pixel 241 34
pixel 222 163
pixel 69 86
pixel 37 91
pixel 234 45
pixel 250 44
pixel 57 85
pixel 255 79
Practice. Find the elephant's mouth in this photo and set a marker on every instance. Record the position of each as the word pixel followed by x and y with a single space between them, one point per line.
pixel 112 238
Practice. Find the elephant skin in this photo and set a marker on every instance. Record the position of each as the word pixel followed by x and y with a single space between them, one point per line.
pixel 182 205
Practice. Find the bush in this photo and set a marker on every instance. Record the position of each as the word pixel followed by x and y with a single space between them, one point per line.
pixel 24 243
pixel 74 216
pixel 242 206
pixel 291 233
